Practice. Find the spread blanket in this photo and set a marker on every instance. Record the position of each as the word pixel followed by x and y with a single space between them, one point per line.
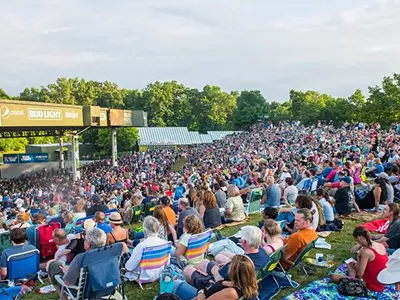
pixel 324 290
pixel 380 226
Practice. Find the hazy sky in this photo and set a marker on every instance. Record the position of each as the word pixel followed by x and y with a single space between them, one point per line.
pixel 332 46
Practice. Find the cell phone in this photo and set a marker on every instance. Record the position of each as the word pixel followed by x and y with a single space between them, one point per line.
pixel 349 260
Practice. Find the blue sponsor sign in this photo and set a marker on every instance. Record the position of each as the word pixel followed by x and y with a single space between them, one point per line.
pixel 26 158
pixel 10 158
pixel 41 157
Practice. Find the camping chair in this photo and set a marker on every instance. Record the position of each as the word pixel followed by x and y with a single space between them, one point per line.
pixel 298 261
pixel 136 213
pixel 5 241
pixel 269 268
pixel 22 265
pixel 314 185
pixel 99 275
pixel 155 257
pixel 149 208
pixel 198 244
pixel 255 201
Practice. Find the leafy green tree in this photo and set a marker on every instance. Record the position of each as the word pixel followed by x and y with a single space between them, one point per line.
pixel 250 106
pixel 4 95
pixel 126 138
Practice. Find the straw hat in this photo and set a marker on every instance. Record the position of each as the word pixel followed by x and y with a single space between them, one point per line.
pixel 115 218
pixel 89 223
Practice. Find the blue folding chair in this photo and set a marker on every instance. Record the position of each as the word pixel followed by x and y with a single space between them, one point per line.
pixel 23 264
pixel 99 275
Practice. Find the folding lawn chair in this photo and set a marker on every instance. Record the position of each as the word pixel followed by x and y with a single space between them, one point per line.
pixel 99 275
pixel 298 262
pixel 198 244
pixel 153 258
pixel 270 267
pixel 79 223
pixel 149 208
pixel 23 265
pixel 254 204
pixel 136 213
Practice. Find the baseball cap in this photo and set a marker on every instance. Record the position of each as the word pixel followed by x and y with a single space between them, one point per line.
pixel 391 274
pixel 383 175
pixel 96 198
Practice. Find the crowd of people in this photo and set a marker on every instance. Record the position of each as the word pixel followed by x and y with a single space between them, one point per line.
pixel 307 177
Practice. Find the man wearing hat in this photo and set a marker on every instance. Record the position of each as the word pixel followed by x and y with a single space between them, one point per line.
pixel 97 205
pixel 342 196
pixel 391 274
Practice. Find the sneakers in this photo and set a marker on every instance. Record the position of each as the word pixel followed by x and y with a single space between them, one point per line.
pixel 46 289
pixel 182 262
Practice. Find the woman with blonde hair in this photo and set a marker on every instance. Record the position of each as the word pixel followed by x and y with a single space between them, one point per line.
pixel 271 236
pixel 242 284
pixel 209 210
pixel 234 209
pixel 191 226
pixel 68 218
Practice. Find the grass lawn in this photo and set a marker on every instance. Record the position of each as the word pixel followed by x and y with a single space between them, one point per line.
pixel 341 243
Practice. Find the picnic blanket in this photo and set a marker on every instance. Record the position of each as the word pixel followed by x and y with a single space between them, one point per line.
pixel 324 234
pixel 222 226
pixel 363 216
pixel 324 290
pixel 380 226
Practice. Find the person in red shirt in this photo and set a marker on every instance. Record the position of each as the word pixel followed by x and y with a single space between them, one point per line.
pixel 371 260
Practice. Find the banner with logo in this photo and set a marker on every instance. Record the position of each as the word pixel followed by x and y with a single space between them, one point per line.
pixel 26 158
pixel 119 117
pixel 39 114
pixel 41 157
pixel 10 158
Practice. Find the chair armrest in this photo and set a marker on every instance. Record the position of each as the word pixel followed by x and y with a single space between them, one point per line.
pixel 61 281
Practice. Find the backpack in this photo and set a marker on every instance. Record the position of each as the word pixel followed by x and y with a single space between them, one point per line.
pixel 46 244
pixel 322 220
pixel 352 287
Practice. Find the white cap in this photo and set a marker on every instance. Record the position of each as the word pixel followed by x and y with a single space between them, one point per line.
pixel 391 274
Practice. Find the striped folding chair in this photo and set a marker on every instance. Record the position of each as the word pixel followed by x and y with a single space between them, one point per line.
pixel 198 244
pixel 156 257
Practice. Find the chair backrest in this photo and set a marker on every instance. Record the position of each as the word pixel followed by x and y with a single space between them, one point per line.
pixel 23 264
pixel 155 257
pixel 254 201
pixel 137 212
pixel 149 208
pixel 301 255
pixel 100 273
pixel 45 234
pixel 314 185
pixel 5 241
pixel 275 258
pixel 79 223
pixel 198 244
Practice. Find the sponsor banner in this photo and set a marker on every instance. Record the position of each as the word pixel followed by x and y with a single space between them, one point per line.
pixel 27 115
pixel 120 117
pixel 10 158
pixel 41 157
pixel 26 158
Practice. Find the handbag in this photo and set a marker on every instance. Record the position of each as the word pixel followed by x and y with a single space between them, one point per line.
pixel 352 287
pixel 168 277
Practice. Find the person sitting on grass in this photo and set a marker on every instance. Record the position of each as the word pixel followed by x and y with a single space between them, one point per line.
pixel 268 213
pixel 242 284
pixel 371 260
pixel 218 269
pixel 297 241
pixel 271 236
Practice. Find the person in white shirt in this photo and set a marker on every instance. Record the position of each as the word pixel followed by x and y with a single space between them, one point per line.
pixel 150 229
pixel 19 202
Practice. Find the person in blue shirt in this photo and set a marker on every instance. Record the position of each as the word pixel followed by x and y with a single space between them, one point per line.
pixel 272 194
pixel 376 169
pixel 18 239
pixel 238 181
pixel 100 218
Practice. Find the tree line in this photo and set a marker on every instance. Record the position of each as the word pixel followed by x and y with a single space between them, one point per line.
pixel 171 103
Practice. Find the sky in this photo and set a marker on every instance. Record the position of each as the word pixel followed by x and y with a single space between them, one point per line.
pixel 332 46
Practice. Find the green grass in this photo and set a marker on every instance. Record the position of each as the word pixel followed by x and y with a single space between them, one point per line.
pixel 341 243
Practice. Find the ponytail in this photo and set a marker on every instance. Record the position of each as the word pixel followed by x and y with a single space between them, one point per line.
pixel 361 231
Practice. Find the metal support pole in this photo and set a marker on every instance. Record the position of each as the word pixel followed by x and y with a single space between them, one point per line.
pixel 114 146
pixel 62 162
pixel 75 158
